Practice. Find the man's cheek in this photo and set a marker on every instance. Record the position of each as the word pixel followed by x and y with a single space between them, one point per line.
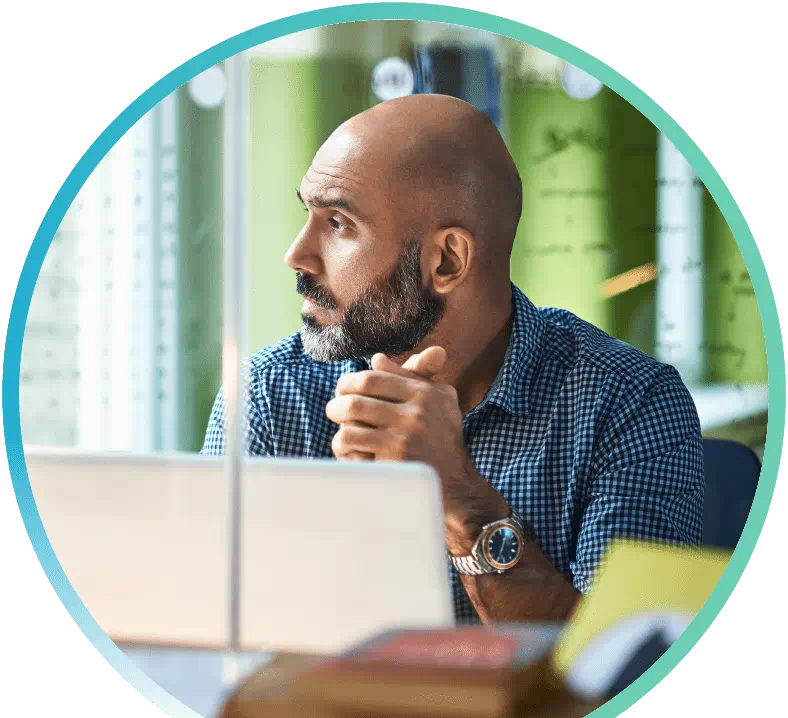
pixel 359 263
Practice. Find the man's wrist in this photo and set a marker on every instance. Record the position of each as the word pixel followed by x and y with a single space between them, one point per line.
pixel 464 526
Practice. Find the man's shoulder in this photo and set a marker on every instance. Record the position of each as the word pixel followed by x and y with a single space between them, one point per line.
pixel 578 342
pixel 618 370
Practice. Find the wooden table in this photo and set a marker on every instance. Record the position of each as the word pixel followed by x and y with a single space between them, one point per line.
pixel 266 694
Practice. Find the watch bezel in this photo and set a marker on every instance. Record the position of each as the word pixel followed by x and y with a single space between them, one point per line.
pixel 487 534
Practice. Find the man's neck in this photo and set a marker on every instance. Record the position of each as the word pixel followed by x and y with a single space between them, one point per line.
pixel 476 344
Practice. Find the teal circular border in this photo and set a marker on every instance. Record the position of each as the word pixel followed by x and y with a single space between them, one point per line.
pixel 391 11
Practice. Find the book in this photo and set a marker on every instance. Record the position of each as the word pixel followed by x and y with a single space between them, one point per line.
pixel 465 672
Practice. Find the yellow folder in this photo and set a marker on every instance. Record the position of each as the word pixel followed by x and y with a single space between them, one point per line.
pixel 640 577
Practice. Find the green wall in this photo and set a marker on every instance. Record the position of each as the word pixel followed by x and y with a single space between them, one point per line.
pixel 589 204
pixel 632 207
pixel 734 343
pixel 295 104
pixel 562 252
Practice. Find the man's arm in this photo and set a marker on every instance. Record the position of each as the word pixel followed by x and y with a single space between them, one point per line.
pixel 397 414
pixel 649 485
pixel 648 481
pixel 533 590
pixel 666 506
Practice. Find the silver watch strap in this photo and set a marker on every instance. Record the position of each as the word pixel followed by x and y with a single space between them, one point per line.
pixel 517 521
pixel 470 566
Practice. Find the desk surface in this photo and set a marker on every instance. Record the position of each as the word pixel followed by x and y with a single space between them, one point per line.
pixel 264 694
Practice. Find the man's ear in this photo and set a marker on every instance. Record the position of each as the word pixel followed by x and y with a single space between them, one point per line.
pixel 451 252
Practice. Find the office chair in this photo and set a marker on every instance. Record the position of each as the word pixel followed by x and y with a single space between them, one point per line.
pixel 732 472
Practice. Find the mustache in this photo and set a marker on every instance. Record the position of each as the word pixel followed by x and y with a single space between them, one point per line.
pixel 308 288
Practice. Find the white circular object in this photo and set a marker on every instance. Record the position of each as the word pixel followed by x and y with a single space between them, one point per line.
pixel 208 89
pixel 392 78
pixel 579 84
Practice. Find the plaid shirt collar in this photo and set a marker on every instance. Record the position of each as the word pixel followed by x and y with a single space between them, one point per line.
pixel 512 385
pixel 511 388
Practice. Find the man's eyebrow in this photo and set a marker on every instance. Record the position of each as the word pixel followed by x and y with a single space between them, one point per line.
pixel 331 204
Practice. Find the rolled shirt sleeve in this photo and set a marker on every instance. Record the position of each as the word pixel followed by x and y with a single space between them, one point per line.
pixel 649 481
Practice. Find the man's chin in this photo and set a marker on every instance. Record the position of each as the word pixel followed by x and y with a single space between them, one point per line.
pixel 324 343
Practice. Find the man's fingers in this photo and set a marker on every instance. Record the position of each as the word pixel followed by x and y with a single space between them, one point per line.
pixel 357 456
pixel 424 365
pixel 377 384
pixel 359 408
pixel 380 362
pixel 352 440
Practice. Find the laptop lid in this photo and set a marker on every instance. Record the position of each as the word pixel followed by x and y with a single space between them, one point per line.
pixel 330 552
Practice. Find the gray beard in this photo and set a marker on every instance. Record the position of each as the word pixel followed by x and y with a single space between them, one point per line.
pixel 391 318
pixel 327 344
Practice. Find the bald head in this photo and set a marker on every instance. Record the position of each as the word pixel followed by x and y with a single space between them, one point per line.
pixel 444 163
pixel 412 211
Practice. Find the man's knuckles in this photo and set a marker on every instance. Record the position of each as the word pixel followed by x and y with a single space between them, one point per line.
pixel 397 446
pixel 401 446
pixel 361 382
pixel 392 444
pixel 348 407
pixel 415 416
pixel 372 383
pixel 353 406
pixel 345 441
pixel 451 393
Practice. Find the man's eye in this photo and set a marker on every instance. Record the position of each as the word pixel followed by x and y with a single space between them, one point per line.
pixel 335 223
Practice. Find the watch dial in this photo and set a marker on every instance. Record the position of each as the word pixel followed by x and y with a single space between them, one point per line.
pixel 503 546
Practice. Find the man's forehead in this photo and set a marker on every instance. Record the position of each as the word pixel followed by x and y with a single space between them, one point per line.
pixel 341 142
pixel 324 181
pixel 351 154
pixel 323 187
pixel 339 176
pixel 350 166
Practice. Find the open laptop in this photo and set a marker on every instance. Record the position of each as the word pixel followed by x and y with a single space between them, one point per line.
pixel 330 552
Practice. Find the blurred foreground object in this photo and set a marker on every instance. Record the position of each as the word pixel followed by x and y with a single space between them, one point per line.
pixel 644 597
pixel 501 670
pixel 476 671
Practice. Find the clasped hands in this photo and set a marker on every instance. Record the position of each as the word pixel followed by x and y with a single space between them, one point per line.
pixel 393 413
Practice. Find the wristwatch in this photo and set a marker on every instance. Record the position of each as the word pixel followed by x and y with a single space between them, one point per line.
pixel 498 548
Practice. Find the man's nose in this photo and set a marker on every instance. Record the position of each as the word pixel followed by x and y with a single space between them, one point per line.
pixel 302 255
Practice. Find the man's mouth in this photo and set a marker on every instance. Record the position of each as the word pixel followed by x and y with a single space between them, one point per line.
pixel 312 304
pixel 315 295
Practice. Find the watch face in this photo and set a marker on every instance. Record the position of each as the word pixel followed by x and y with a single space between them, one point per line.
pixel 503 547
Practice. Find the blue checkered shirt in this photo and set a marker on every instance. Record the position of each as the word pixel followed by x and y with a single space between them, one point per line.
pixel 585 436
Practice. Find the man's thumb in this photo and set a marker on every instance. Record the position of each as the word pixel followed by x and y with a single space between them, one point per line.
pixel 426 364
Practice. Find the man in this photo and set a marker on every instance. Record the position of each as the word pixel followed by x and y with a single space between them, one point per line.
pixel 549 436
